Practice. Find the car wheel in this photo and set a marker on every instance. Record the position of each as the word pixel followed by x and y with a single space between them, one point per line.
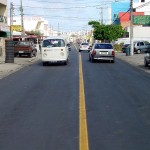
pixel 145 63
pixel 138 51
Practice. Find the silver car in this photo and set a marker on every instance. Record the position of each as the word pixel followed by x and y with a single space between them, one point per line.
pixel 102 51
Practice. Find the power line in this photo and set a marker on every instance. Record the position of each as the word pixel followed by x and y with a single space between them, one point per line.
pixel 60 7
pixel 54 2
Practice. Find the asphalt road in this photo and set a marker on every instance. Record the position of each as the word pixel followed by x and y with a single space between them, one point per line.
pixel 39 106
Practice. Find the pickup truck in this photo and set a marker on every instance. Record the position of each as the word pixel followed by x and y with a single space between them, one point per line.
pixel 141 46
pixel 25 48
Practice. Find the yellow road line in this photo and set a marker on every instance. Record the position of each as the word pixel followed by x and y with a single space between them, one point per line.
pixel 83 134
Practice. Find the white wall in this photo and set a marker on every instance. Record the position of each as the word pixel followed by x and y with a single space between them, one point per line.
pixel 145 9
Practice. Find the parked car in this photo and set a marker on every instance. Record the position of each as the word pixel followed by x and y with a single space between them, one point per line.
pixel 141 46
pixel 125 46
pixel 54 49
pixel 84 47
pixel 102 51
pixel 147 58
pixel 25 48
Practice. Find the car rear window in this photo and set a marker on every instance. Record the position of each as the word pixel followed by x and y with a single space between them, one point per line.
pixel 53 43
pixel 103 46
pixel 84 44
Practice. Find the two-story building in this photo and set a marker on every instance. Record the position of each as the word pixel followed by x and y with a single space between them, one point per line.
pixel 140 31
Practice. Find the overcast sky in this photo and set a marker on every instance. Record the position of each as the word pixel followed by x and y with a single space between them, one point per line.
pixel 72 15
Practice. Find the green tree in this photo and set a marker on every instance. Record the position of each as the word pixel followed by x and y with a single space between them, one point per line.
pixel 106 32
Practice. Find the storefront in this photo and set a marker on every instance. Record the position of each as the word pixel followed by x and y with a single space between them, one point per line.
pixel 4 33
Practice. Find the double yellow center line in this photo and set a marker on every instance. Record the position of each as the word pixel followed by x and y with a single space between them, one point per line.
pixel 83 133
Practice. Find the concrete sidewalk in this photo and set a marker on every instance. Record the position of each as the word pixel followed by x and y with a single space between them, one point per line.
pixel 137 60
pixel 19 62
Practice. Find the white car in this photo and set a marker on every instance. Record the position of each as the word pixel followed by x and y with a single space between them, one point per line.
pixel 102 51
pixel 54 49
pixel 84 47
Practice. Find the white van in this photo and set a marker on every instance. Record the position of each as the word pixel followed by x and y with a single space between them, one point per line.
pixel 54 49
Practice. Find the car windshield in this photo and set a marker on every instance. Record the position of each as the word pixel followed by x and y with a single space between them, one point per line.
pixel 103 46
pixel 53 43
pixel 23 43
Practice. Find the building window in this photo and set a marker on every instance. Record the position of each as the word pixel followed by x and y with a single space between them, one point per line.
pixel 142 1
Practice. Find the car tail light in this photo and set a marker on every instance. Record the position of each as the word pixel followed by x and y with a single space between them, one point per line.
pixel 113 53
pixel 94 52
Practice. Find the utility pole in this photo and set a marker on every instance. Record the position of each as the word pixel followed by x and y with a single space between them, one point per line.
pixel 131 28
pixel 22 23
pixel 58 29
pixel 11 19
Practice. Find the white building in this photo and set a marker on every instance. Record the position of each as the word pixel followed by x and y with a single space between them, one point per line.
pixel 33 24
pixel 140 32
pixel 142 6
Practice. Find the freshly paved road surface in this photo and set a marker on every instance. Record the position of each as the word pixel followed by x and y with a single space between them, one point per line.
pixel 39 106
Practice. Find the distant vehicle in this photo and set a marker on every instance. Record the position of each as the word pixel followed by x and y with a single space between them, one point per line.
pixel 125 46
pixel 84 47
pixel 102 51
pixel 54 49
pixel 141 46
pixel 25 48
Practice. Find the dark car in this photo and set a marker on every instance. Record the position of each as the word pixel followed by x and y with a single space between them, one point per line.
pixel 125 47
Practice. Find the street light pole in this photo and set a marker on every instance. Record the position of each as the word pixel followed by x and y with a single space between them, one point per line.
pixel 11 19
pixel 131 28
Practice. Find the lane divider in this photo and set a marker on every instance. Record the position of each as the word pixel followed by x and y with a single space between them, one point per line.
pixel 83 132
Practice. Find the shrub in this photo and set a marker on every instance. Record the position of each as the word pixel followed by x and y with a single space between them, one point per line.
pixel 118 47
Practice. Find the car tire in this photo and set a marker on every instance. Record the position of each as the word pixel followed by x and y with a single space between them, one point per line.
pixel 138 51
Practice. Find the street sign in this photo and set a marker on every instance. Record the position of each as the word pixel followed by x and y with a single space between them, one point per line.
pixel 141 20
pixel 16 28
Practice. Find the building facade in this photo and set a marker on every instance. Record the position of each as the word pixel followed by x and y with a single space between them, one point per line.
pixel 4 29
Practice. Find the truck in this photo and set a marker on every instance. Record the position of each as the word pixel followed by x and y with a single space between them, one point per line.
pixel 25 48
